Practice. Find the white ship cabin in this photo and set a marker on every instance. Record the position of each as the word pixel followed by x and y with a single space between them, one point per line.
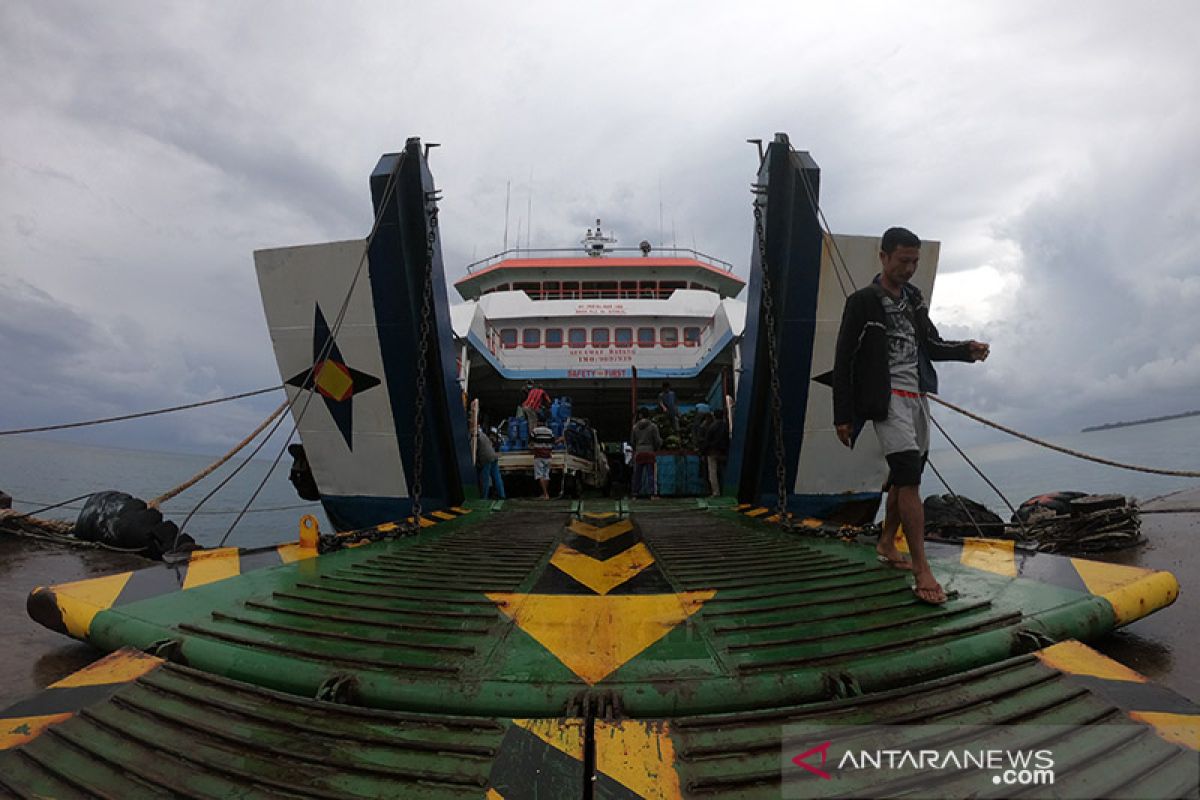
pixel 588 323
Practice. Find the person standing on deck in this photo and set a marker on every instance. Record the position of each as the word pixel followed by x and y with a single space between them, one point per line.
pixel 488 464
pixel 882 372
pixel 646 442
pixel 716 447
pixel 668 405
pixel 535 400
pixel 541 442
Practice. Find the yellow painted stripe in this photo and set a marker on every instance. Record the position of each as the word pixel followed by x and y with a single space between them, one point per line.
pixel 599 514
pixel 640 756
pixel 209 566
pixel 741 507
pixel 990 555
pixel 426 522
pixel 757 512
pixel 388 526
pixel 294 552
pixel 492 794
pixel 1077 658
pixel 600 534
pixel 1182 729
pixel 16 731
pixel 443 515
pixel 812 522
pixel 564 735
pixel 602 576
pixel 119 667
pixel 81 601
pixel 460 510
pixel 1133 592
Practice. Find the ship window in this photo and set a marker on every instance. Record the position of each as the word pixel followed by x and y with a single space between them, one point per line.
pixel 531 337
pixel 600 337
pixel 624 337
pixel 508 337
pixel 608 288
pixel 691 337
pixel 665 288
pixel 648 290
pixel 551 290
pixel 534 290
pixel 591 288
pixel 553 337
pixel 670 337
pixel 629 289
pixel 645 337
pixel 570 289
pixel 577 337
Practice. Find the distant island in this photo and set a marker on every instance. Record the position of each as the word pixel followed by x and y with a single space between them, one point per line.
pixel 1111 425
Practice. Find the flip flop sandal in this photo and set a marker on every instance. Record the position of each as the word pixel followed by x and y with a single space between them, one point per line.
pixel 927 601
pixel 895 563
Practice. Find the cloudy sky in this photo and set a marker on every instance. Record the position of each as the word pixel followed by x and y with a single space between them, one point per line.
pixel 146 149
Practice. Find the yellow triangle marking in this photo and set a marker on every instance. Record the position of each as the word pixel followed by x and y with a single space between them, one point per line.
pixel 1076 658
pixel 640 755
pixel 600 534
pixel 119 667
pixel 564 735
pixel 1183 729
pixel 208 566
pixel 990 555
pixel 1102 578
pixel 492 794
pixel 16 731
pixel 81 601
pixel 602 576
pixel 594 635
pixel 294 552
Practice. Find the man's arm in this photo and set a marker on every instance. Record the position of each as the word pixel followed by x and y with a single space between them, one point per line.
pixel 938 349
pixel 849 334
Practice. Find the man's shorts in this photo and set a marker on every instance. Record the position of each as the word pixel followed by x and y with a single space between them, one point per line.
pixel 904 437
pixel 541 469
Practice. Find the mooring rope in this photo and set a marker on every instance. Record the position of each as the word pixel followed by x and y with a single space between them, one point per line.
pixel 1179 473
pixel 204 473
pixel 140 414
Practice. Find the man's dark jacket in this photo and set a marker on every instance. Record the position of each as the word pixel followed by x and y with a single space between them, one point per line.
pixel 862 382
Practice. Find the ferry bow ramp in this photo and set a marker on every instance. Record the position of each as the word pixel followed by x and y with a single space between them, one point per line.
pixel 444 645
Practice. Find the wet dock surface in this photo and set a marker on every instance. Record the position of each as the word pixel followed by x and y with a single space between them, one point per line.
pixel 33 656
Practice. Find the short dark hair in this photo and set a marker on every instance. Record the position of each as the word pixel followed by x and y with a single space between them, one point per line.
pixel 898 237
pixel 643 413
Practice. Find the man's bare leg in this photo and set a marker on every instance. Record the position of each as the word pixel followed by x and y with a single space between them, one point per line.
pixel 886 546
pixel 912 516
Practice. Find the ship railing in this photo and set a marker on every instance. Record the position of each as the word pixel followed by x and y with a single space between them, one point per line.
pixel 575 252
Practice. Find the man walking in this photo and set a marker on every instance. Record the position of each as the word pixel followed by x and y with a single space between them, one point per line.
pixel 646 441
pixel 488 464
pixel 882 371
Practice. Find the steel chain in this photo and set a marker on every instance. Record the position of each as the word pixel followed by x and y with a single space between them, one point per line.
pixel 414 524
pixel 768 304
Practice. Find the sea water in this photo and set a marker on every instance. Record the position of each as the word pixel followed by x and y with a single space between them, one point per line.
pixel 38 472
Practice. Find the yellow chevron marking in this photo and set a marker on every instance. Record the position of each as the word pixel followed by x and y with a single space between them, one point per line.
pixel 81 601
pixel 600 534
pixel 1183 729
pixel 990 555
pixel 640 755
pixel 1077 658
pixel 119 667
pixel 602 576
pixel 594 635
pixel 294 552
pixel 16 731
pixel 208 566
pixel 1133 592
pixel 757 512
pixel 599 514
pixel 564 735
pixel 442 515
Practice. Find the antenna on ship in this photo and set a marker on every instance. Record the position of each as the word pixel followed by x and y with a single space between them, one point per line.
pixel 597 244
pixel 507 194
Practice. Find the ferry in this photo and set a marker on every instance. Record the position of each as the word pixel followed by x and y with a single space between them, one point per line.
pixel 435 645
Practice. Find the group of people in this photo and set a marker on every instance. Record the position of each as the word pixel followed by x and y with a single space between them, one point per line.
pixel 709 437
pixel 541 445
